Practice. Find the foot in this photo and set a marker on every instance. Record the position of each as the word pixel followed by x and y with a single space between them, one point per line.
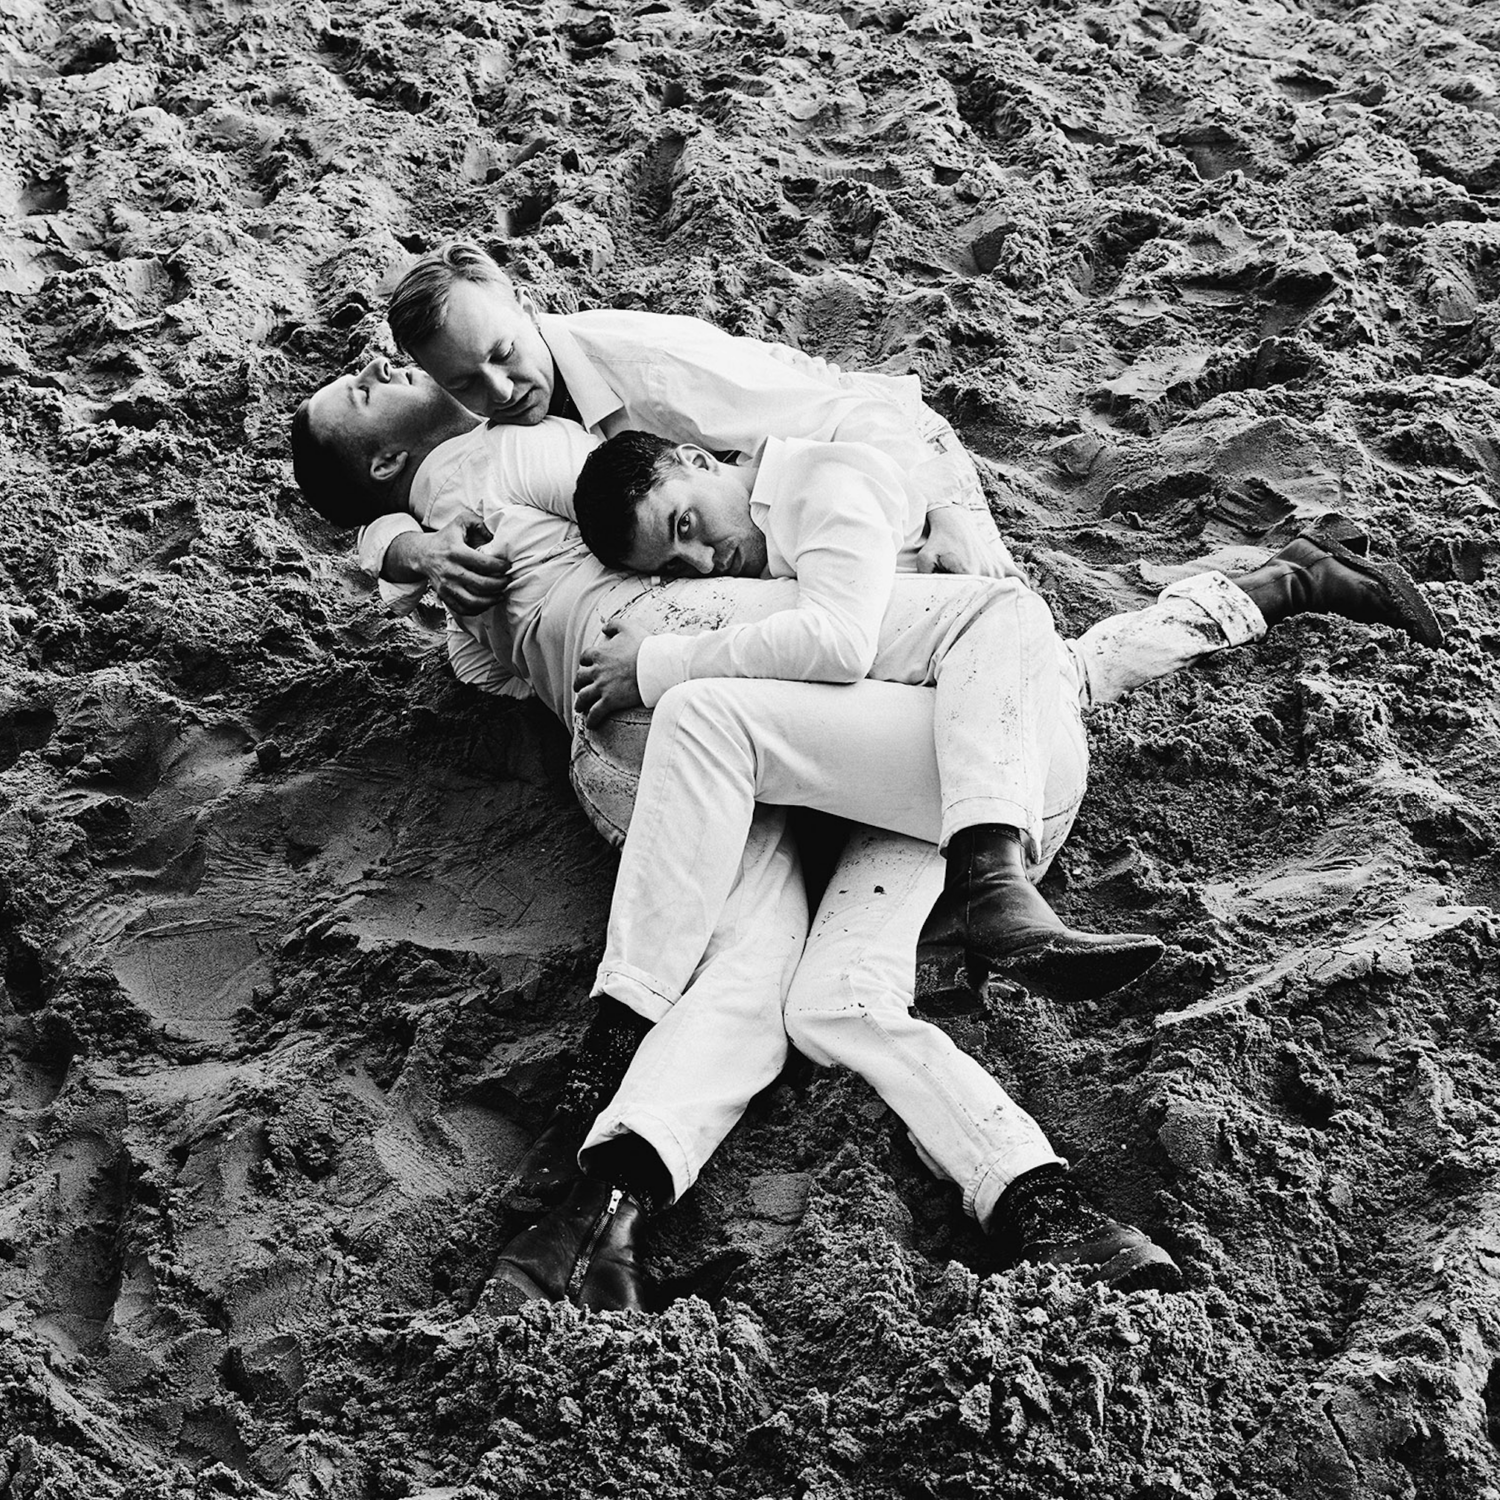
pixel 1043 1217
pixel 1325 571
pixel 990 918
pixel 585 1251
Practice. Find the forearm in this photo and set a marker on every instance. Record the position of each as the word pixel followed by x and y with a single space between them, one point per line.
pixel 405 559
pixel 803 645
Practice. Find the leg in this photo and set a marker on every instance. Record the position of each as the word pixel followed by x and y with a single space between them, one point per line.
pixel 997 663
pixel 1320 572
pixel 1193 618
pixel 724 1040
pixel 849 1005
pixel 690 1080
pixel 717 747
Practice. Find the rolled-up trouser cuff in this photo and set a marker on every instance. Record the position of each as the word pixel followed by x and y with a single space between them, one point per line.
pixel 635 988
pixel 1228 605
pixel 969 812
pixel 983 1193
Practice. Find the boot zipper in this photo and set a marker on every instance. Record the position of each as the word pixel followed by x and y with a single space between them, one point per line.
pixel 601 1226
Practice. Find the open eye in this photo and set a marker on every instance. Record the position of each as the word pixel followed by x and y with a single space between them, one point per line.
pixel 685 526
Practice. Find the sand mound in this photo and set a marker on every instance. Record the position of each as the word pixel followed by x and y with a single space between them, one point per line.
pixel 293 931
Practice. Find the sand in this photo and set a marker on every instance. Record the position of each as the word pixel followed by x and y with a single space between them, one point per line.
pixel 295 932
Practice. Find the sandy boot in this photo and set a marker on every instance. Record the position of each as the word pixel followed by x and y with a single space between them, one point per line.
pixel 587 1250
pixel 1044 1218
pixel 550 1166
pixel 991 918
pixel 1325 571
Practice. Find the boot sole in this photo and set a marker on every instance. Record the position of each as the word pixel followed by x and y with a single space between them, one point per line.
pixel 950 982
pixel 1143 1268
pixel 511 1276
pixel 1412 611
pixel 1083 973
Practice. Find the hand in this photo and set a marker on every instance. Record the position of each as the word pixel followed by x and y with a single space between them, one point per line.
pixel 606 682
pixel 467 580
pixel 958 543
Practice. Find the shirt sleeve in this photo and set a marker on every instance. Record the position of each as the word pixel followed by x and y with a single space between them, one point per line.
pixel 375 539
pixel 374 542
pixel 727 392
pixel 837 525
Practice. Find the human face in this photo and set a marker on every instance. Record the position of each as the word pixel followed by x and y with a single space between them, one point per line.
pixel 696 523
pixel 382 410
pixel 490 355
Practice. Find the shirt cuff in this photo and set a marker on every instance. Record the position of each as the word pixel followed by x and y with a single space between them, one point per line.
pixel 401 598
pixel 376 538
pixel 661 664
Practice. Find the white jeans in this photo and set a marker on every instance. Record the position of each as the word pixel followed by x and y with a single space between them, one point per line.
pixel 849 1001
pixel 874 752
pixel 724 1040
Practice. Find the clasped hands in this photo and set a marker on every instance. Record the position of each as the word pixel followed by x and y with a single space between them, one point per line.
pixel 606 682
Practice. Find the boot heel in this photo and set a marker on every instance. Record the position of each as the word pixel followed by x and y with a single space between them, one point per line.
pixel 950 981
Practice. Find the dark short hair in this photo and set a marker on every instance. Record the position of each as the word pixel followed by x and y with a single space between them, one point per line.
pixel 419 305
pixel 329 479
pixel 616 477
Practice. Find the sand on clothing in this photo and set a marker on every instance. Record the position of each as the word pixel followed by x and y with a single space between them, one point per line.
pixel 294 932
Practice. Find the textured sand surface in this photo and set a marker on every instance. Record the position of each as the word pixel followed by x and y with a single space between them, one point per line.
pixel 293 931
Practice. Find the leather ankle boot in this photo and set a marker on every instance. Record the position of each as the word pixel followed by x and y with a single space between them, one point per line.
pixel 1042 1217
pixel 1325 571
pixel 550 1167
pixel 991 918
pixel 587 1250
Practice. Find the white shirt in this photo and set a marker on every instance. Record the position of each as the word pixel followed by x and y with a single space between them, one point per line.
pixel 838 518
pixel 693 383
pixel 520 480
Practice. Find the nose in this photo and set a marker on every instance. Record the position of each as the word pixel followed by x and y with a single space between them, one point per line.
pixel 379 369
pixel 500 386
pixel 698 556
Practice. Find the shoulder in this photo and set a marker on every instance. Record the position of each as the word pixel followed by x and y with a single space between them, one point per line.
pixel 444 467
pixel 618 326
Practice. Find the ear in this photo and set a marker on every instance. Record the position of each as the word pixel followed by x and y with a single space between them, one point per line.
pixel 385 466
pixel 527 302
pixel 693 456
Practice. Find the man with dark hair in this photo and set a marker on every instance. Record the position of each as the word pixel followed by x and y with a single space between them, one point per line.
pixel 834 517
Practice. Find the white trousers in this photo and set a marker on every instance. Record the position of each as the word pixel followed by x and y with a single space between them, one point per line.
pixel 849 1002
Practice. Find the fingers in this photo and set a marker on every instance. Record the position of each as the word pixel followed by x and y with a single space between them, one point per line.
pixel 481 564
pixel 462 602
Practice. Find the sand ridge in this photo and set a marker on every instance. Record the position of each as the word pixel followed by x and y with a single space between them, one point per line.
pixel 294 932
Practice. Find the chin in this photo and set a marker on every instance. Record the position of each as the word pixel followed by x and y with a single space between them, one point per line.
pixel 529 415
